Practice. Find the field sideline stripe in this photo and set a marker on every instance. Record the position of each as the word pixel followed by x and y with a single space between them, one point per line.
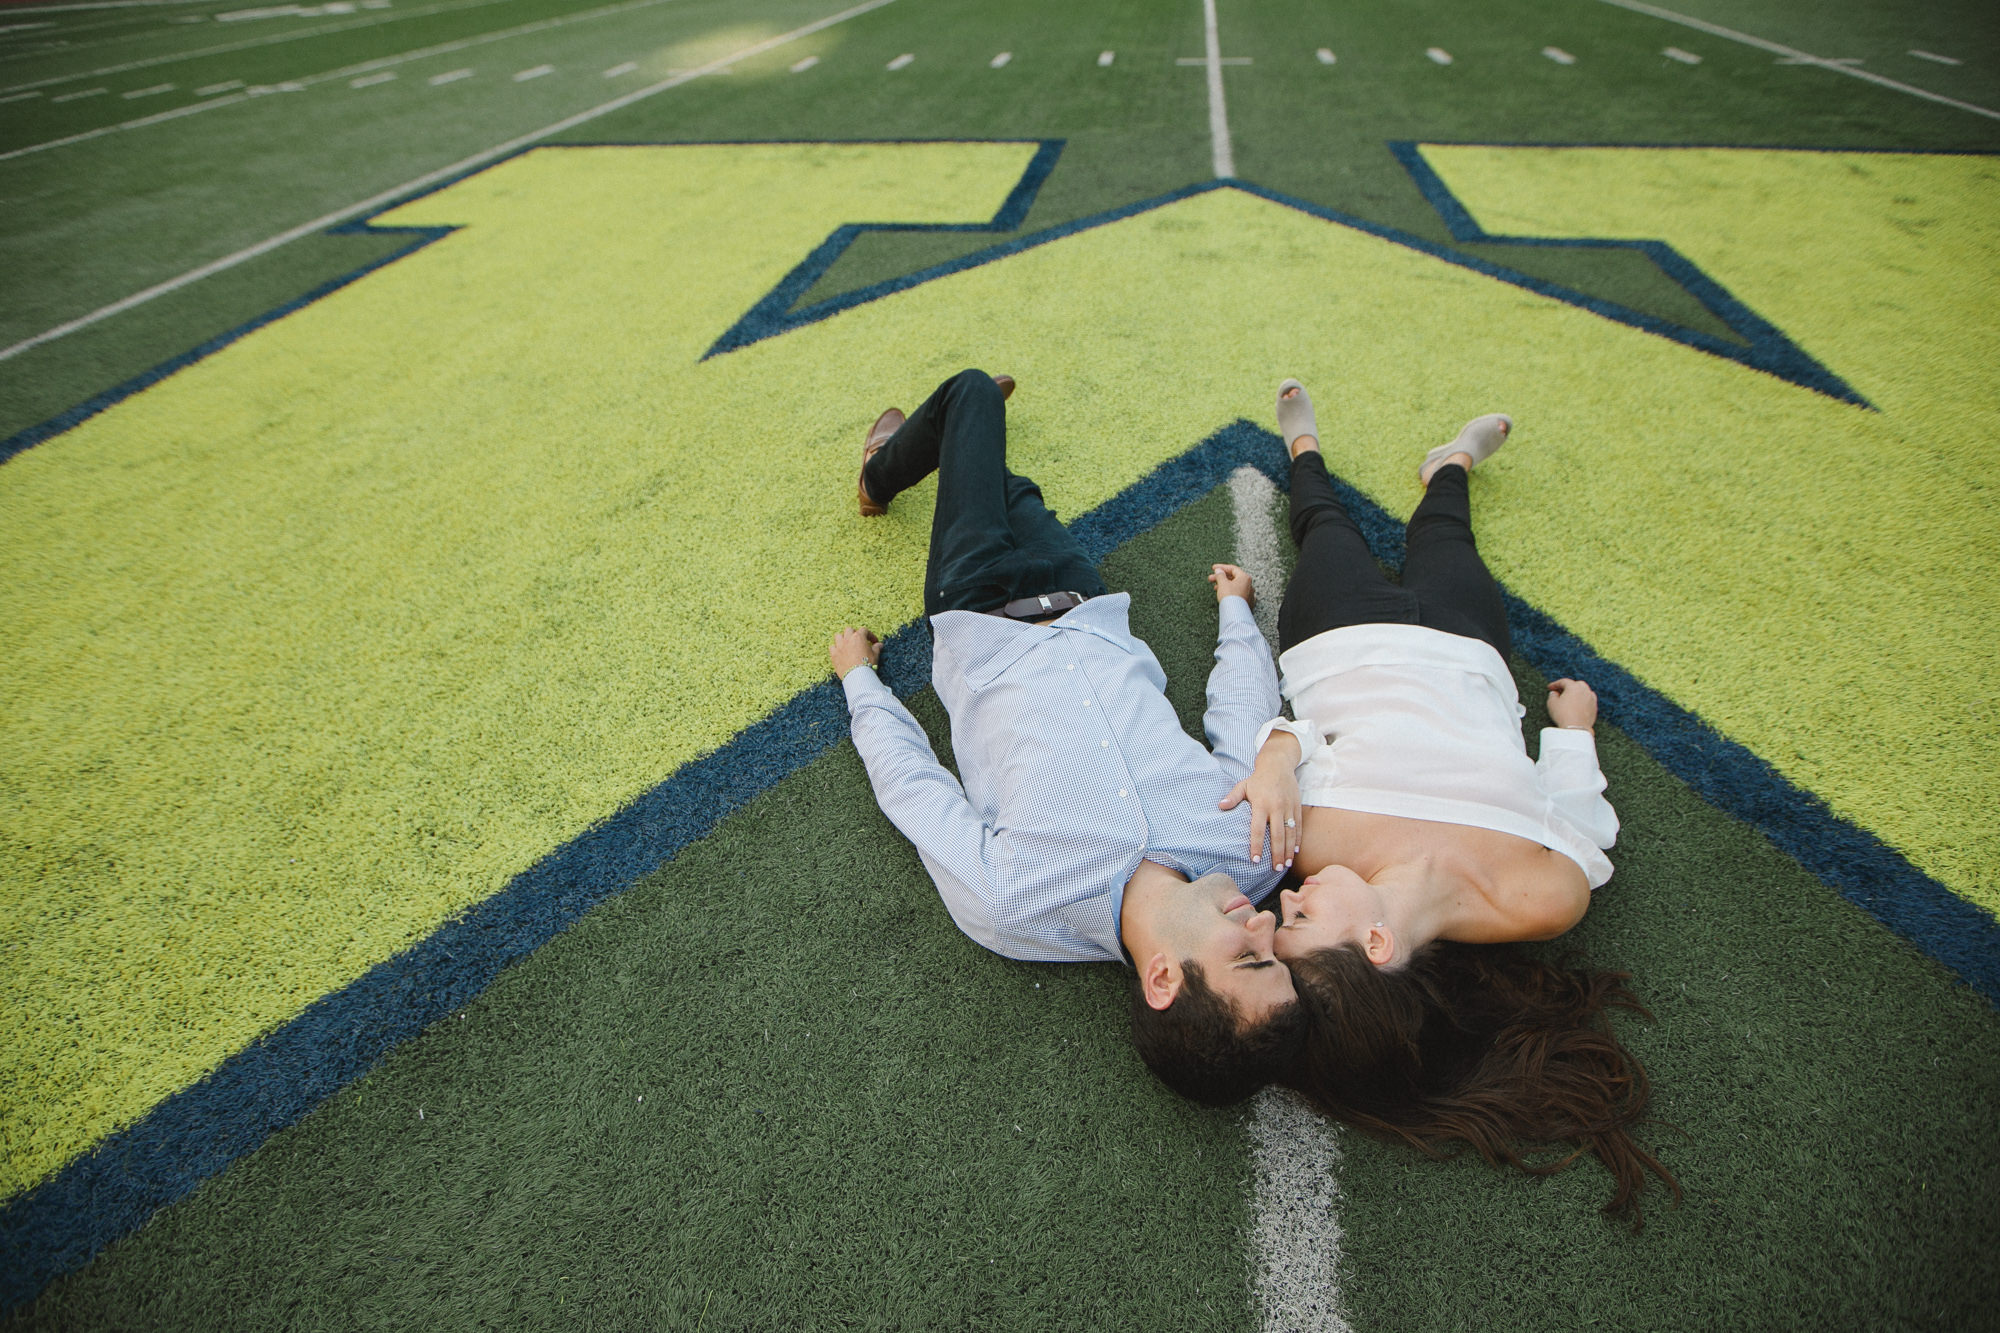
pixel 61 1224
pixel 250 43
pixel 1804 58
pixel 366 66
pixel 429 179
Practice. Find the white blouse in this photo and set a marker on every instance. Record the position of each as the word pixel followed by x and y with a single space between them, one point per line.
pixel 1423 724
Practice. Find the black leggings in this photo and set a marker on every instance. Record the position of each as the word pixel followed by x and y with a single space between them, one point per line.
pixel 1446 586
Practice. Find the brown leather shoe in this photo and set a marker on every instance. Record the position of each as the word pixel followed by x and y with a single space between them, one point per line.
pixel 1006 383
pixel 878 435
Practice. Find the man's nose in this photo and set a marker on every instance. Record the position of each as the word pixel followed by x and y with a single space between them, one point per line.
pixel 1264 926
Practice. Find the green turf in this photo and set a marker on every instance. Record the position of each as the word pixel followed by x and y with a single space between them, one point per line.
pixel 833 1078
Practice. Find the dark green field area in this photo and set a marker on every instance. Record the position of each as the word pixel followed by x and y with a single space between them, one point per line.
pixel 854 1117
pixel 97 221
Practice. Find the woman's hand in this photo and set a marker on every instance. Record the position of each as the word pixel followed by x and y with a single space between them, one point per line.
pixel 1572 704
pixel 1273 792
pixel 854 648
pixel 1230 581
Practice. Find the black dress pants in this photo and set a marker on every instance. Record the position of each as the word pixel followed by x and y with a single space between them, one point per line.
pixel 1446 586
pixel 992 539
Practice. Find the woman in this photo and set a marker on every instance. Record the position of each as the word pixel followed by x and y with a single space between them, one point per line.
pixel 1427 837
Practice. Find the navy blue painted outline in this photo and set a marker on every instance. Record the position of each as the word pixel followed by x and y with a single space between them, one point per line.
pixel 1764 348
pixel 771 315
pixel 66 1221
pixel 1010 215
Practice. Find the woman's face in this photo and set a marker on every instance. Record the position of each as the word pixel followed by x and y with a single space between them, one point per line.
pixel 1332 908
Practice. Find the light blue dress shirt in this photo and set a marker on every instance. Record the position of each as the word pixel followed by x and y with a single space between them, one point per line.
pixel 1075 768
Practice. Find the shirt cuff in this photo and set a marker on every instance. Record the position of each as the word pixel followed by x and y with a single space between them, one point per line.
pixel 1306 733
pixel 1237 607
pixel 862 686
pixel 1569 738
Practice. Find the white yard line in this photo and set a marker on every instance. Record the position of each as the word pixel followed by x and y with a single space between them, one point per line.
pixel 1251 499
pixel 345 72
pixel 1802 57
pixel 1935 57
pixel 1295 1218
pixel 1294 1236
pixel 1000 61
pixel 158 118
pixel 902 61
pixel 370 80
pixel 1685 57
pixel 801 66
pixel 619 71
pixel 248 43
pixel 1324 56
pixel 1218 113
pixel 431 178
pixel 102 4
pixel 1439 55
pixel 534 73
pixel 1560 56
pixel 449 76
pixel 1104 59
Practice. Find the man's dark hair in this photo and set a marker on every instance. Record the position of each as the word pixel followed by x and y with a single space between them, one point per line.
pixel 1199 1046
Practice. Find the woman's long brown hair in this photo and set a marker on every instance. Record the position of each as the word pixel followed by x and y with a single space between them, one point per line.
pixel 1485 1046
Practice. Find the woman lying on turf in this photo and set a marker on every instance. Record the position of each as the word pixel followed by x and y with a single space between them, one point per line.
pixel 1427 837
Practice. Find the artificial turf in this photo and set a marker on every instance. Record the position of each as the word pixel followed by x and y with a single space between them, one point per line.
pixel 853 1117
pixel 1838 1097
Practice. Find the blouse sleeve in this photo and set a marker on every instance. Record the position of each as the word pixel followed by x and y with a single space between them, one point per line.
pixel 1574 784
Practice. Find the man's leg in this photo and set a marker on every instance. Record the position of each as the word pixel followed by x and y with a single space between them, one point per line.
pixel 1337 582
pixel 992 538
pixel 1455 591
pixel 1041 537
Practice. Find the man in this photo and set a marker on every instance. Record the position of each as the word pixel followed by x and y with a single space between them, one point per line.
pixel 1090 827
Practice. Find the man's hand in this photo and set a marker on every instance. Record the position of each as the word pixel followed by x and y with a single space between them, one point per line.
pixel 1273 792
pixel 1572 704
pixel 1230 581
pixel 853 648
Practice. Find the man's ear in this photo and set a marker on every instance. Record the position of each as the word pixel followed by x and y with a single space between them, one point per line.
pixel 1379 945
pixel 1160 978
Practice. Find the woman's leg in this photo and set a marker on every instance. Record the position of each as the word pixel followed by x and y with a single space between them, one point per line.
pixel 1454 590
pixel 1337 582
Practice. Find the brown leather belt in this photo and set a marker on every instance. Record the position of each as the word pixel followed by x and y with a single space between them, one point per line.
pixel 1044 607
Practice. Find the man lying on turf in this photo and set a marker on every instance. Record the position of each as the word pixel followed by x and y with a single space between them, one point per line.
pixel 1090 827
